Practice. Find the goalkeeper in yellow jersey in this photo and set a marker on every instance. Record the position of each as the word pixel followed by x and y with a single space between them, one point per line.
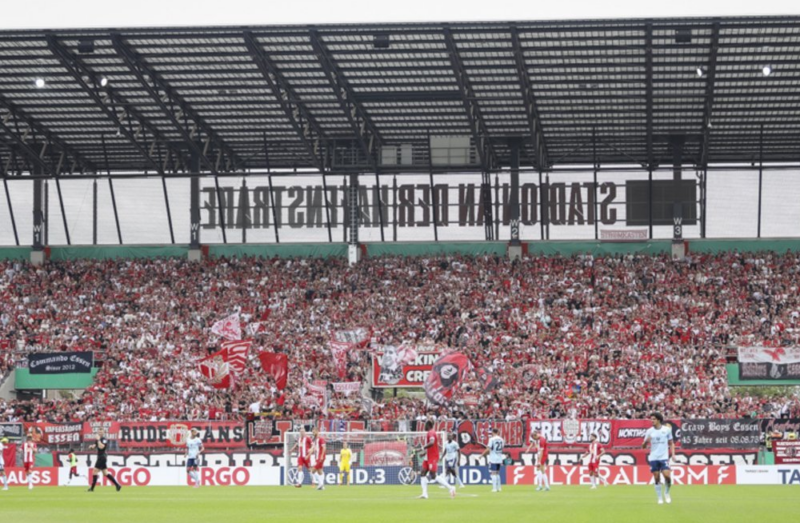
pixel 344 464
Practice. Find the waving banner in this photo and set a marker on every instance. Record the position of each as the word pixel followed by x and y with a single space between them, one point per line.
pixel 358 337
pixel 275 364
pixel 229 328
pixel 339 352
pixel 448 371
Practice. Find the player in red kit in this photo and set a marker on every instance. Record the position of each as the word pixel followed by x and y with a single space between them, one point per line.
pixel 303 447
pixel 431 464
pixel 595 451
pixel 28 459
pixel 539 443
pixel 318 462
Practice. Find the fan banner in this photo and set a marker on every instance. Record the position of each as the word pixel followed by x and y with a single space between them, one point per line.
pixel 629 433
pixel 229 328
pixel 447 373
pixel 60 362
pixel 769 371
pixel 215 434
pixel 55 433
pixel 787 452
pixel 91 428
pixel 347 387
pixel 572 431
pixel 402 367
pixel 720 433
pixel 778 355
pixel 12 431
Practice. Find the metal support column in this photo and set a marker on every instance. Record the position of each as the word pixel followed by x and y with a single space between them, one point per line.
pixel 169 212
pixel 703 203
pixel 542 208
pixel 274 210
pixel 353 247
pixel 63 211
pixel 394 207
pixel 194 212
pixel 46 219
pixel 11 212
pixel 677 205
pixel 760 174
pixel 94 211
pixel 594 187
pixel 353 214
pixel 380 203
pixel 435 200
pixel 38 215
pixel 650 202
pixel 514 200
pixel 327 206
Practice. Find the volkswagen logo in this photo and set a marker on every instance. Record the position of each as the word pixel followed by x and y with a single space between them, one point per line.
pixel 407 476
pixel 291 476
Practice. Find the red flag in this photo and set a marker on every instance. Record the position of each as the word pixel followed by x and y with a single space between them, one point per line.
pixel 447 373
pixel 9 456
pixel 229 328
pixel 276 365
pixel 236 354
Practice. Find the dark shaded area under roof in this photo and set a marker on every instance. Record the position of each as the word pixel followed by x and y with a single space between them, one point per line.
pixel 343 98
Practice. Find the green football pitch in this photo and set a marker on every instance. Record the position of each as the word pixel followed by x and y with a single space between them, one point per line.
pixel 617 504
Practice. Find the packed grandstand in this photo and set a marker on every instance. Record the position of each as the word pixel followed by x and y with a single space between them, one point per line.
pixel 548 337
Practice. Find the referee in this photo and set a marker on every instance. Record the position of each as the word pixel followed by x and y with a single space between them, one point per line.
pixel 100 465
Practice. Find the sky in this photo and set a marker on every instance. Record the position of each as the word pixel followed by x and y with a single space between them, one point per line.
pixel 60 14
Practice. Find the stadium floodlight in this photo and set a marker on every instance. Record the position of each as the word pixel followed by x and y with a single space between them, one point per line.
pixel 766 70
pixel 701 72
pixel 39 82
pixel 103 81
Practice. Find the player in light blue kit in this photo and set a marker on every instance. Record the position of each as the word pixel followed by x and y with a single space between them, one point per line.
pixel 451 457
pixel 662 448
pixel 495 451
pixel 194 446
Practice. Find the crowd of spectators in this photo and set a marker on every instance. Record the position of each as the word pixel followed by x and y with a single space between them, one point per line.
pixel 615 336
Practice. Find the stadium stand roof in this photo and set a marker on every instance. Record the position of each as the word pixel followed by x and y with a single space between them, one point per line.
pixel 355 98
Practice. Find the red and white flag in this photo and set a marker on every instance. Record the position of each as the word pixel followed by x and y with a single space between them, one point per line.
pixel 221 366
pixel 253 328
pixel 339 352
pixel 358 337
pixel 236 354
pixel 217 370
pixel 230 328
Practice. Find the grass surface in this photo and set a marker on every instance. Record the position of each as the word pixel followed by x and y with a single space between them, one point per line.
pixel 620 504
